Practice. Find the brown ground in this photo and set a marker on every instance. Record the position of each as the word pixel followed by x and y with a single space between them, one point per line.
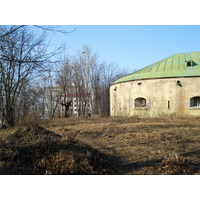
pixel 103 146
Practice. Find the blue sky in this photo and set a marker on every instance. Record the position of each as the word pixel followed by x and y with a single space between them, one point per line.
pixel 132 47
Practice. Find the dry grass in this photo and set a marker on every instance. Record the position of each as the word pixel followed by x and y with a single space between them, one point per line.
pixel 35 150
pixel 125 146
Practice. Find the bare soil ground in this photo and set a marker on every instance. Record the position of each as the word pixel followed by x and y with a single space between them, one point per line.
pixel 99 145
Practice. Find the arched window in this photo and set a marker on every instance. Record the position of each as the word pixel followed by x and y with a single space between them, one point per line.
pixel 195 102
pixel 140 102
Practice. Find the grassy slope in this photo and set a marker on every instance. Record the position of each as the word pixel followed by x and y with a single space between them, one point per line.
pixel 144 146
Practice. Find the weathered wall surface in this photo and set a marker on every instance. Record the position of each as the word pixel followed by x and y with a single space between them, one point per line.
pixel 163 97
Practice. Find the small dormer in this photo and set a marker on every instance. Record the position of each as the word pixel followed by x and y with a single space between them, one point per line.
pixel 189 63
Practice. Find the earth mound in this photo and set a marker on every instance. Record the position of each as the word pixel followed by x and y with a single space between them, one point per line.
pixel 32 134
pixel 35 150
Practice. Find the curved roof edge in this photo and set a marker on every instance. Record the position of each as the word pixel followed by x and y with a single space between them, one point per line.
pixel 177 65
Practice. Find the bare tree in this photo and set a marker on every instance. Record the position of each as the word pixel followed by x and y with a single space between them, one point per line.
pixel 30 104
pixel 64 80
pixel 10 30
pixel 92 82
pixel 84 67
pixel 79 84
pixel 22 58
pixel 83 77
pixel 53 29
pixel 51 95
pixel 104 75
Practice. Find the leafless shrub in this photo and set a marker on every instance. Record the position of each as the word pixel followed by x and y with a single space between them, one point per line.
pixel 175 164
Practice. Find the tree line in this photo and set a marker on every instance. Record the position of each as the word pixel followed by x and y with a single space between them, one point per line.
pixel 28 67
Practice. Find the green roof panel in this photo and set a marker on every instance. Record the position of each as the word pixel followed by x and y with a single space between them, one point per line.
pixel 173 66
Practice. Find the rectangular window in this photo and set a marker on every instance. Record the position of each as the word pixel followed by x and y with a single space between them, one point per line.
pixel 168 105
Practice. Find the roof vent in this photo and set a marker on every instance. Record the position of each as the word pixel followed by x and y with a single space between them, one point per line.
pixel 189 63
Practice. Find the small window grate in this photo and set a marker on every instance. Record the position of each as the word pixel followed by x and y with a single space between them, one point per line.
pixel 189 63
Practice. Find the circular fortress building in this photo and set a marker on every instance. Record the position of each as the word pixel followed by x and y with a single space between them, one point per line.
pixel 168 87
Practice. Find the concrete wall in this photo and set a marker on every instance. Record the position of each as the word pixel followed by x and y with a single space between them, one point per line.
pixel 163 97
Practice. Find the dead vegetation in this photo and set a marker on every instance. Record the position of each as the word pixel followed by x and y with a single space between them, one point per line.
pixel 35 150
pixel 102 146
pixel 175 164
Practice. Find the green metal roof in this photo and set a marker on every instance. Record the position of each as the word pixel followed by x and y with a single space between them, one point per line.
pixel 173 66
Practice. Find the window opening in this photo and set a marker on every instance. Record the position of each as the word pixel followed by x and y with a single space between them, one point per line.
pixel 168 105
pixel 195 102
pixel 140 102
pixel 189 63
